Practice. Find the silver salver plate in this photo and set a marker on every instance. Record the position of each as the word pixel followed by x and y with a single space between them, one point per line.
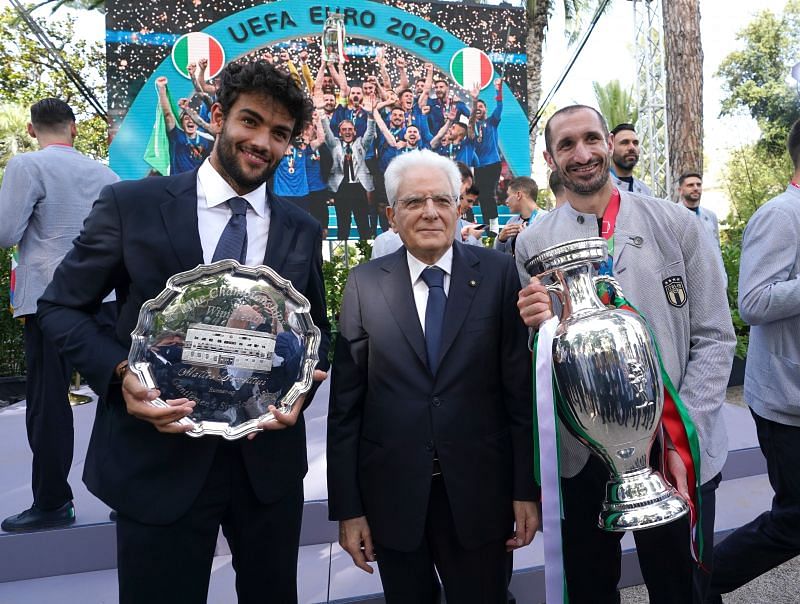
pixel 235 339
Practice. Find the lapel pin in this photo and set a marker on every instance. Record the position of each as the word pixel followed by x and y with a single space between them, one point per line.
pixel 473 283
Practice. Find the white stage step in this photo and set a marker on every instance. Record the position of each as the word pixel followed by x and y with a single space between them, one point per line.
pixel 75 565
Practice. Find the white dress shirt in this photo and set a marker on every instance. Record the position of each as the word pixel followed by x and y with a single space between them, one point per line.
pixel 213 214
pixel 420 288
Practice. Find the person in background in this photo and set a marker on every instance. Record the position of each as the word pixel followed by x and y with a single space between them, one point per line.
pixel 556 185
pixel 769 301
pixel 44 197
pixel 521 200
pixel 487 153
pixel 624 157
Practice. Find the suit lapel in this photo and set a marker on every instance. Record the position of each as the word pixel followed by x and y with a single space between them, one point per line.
pixel 179 213
pixel 280 233
pixel 396 287
pixel 464 282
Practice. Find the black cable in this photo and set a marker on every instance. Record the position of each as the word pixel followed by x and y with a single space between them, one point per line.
pixel 71 74
pixel 565 73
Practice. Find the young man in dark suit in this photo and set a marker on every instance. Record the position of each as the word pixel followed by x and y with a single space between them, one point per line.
pixel 172 492
pixel 430 457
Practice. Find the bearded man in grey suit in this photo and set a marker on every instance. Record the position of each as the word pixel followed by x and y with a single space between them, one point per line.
pixel 44 199
pixel 430 455
pixel 666 268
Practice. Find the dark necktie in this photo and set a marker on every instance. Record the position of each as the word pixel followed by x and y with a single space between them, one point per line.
pixel 348 163
pixel 233 241
pixel 434 314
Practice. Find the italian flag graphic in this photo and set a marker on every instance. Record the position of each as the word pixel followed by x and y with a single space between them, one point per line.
pixel 192 47
pixel 470 67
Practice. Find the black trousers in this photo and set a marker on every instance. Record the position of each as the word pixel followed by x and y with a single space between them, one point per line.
pixel 486 179
pixel 48 415
pixel 592 557
pixel 773 537
pixel 48 418
pixel 172 563
pixel 351 198
pixel 318 206
pixel 475 576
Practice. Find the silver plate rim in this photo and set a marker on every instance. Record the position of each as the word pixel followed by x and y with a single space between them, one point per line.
pixel 173 288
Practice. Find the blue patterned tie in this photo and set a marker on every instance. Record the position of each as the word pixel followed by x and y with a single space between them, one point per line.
pixel 233 241
pixel 434 314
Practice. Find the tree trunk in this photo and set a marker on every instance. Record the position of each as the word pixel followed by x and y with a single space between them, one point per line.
pixel 537 17
pixel 683 53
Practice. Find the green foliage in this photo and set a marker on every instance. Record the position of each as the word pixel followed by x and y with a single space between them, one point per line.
pixel 28 73
pixel 617 105
pixel 13 133
pixel 13 139
pixel 756 77
pixel 335 272
pixel 12 346
pixel 753 176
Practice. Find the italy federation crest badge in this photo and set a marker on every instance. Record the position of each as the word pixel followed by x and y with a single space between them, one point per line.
pixel 675 291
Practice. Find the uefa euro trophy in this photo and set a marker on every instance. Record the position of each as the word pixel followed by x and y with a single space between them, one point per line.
pixel 606 369
pixel 235 339
pixel 333 39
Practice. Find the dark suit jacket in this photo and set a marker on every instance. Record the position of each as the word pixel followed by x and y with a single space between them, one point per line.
pixel 388 413
pixel 138 234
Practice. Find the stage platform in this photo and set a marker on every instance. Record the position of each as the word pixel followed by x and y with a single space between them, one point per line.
pixel 76 565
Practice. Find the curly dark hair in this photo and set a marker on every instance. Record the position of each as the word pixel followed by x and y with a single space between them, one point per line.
pixel 263 78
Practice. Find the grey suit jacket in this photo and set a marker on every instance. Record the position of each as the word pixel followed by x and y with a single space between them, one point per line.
pixel 638 186
pixel 44 198
pixel 359 148
pixel 710 223
pixel 769 300
pixel 656 240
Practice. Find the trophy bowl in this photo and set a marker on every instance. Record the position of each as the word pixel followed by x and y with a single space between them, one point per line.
pixel 611 395
pixel 235 339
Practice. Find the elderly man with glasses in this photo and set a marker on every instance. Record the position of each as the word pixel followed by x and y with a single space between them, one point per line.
pixel 429 434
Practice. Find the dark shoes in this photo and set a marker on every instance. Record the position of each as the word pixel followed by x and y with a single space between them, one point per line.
pixel 36 519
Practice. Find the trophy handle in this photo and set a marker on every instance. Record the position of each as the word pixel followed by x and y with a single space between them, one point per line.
pixel 610 281
pixel 557 289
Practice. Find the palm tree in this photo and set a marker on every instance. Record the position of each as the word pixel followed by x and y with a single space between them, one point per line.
pixel 538 13
pixel 14 137
pixel 683 53
pixel 617 105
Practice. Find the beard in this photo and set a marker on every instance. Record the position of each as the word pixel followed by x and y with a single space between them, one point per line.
pixel 230 164
pixel 626 162
pixel 692 200
pixel 585 187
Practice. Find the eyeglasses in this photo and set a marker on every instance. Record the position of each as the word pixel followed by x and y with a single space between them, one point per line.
pixel 418 202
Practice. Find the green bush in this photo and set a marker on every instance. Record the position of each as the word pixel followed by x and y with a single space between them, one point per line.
pixel 12 347
pixel 335 272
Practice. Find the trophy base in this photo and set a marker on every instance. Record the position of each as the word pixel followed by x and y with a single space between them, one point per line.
pixel 640 500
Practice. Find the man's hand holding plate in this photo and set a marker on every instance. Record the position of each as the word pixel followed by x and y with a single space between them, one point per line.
pixel 137 400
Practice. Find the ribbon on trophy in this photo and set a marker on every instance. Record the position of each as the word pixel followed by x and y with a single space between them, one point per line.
pixel 675 420
pixel 682 432
pixel 546 446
